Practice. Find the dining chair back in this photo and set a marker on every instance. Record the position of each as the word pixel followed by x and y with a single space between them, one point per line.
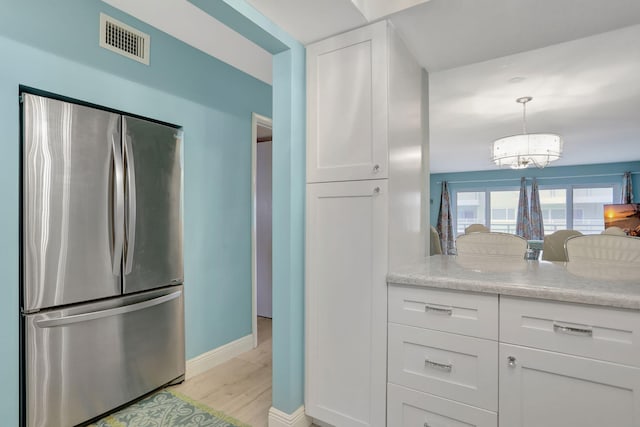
pixel 553 245
pixel 491 244
pixel 615 231
pixel 476 228
pixel 603 247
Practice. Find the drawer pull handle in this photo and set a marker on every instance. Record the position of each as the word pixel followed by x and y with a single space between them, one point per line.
pixel 570 330
pixel 439 310
pixel 435 365
pixel 511 360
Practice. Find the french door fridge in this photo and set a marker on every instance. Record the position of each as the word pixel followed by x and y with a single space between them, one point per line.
pixel 101 260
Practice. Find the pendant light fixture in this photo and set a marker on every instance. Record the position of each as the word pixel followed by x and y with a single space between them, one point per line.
pixel 520 151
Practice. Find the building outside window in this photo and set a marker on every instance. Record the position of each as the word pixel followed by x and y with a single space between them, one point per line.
pixel 588 212
pixel 554 209
pixel 470 209
pixel 504 211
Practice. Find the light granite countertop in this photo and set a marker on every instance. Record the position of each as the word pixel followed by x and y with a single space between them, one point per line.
pixel 606 284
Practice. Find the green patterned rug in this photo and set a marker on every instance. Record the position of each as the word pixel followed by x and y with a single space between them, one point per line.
pixel 168 408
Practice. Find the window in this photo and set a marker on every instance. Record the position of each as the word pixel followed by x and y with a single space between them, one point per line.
pixel 588 209
pixel 565 207
pixel 470 209
pixel 504 210
pixel 554 209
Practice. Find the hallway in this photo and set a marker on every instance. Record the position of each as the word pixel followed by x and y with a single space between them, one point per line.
pixel 240 387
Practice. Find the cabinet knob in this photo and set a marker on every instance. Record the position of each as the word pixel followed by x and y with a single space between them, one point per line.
pixel 376 168
pixel 426 424
pixel 376 190
pixel 511 361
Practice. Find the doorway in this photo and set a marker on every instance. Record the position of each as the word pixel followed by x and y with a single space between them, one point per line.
pixel 261 203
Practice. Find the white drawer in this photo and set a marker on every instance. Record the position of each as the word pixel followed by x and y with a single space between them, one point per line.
pixel 461 368
pixel 463 313
pixel 595 332
pixel 410 408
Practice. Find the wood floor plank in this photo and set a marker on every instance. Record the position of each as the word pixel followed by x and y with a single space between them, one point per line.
pixel 240 387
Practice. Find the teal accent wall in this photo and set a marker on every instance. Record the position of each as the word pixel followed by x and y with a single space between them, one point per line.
pixel 289 119
pixel 288 230
pixel 604 173
pixel 53 46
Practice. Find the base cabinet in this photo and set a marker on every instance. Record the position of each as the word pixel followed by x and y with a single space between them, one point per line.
pixel 544 388
pixel 410 408
pixel 555 364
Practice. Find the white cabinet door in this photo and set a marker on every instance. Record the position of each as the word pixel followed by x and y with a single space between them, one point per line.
pixel 347 106
pixel 542 388
pixel 346 255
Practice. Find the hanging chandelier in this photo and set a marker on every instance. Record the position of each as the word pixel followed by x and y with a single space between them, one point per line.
pixel 520 151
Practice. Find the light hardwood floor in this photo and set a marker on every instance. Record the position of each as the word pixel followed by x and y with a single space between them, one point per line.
pixel 240 387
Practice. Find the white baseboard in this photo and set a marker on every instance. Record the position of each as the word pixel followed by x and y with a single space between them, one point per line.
pixel 219 355
pixel 277 418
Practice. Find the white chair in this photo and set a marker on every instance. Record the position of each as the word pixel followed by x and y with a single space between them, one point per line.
pixel 603 247
pixel 614 231
pixel 476 228
pixel 553 245
pixel 491 244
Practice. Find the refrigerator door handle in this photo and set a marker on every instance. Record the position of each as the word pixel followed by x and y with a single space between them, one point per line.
pixel 118 207
pixel 131 214
pixel 77 318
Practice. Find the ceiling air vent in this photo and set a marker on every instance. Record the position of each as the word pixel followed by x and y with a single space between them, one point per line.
pixel 123 39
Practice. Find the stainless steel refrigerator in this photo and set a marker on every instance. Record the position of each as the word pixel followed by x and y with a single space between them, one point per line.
pixel 101 260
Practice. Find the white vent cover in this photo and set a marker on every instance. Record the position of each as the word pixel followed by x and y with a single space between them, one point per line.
pixel 123 39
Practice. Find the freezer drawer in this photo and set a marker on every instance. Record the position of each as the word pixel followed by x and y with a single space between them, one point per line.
pixel 86 360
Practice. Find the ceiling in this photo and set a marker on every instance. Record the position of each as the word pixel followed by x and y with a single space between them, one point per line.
pixel 578 59
pixel 586 90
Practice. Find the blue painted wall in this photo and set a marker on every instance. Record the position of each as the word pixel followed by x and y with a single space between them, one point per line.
pixel 53 46
pixel 606 173
pixel 289 118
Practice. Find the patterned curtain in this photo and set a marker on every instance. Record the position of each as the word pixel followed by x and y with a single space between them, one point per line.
pixel 523 224
pixel 445 224
pixel 627 188
pixel 537 225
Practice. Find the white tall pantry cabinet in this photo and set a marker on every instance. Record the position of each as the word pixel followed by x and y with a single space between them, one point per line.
pixel 365 213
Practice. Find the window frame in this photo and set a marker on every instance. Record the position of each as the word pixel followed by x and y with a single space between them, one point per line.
pixel 487 202
pixel 616 189
pixel 569 188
